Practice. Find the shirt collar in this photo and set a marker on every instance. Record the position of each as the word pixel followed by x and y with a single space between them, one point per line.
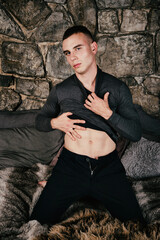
pixel 97 84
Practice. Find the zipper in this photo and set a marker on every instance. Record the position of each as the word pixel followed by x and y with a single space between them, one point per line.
pixel 90 167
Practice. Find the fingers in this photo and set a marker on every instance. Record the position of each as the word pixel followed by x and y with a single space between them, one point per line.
pixel 78 121
pixel 106 95
pixel 68 114
pixel 71 125
pixel 79 127
pixel 90 97
pixel 88 102
pixel 87 106
pixel 73 134
pixel 93 95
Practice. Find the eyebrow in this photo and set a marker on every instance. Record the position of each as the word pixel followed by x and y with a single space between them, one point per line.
pixel 79 45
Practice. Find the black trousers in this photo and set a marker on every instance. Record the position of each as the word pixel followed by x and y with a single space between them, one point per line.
pixel 76 176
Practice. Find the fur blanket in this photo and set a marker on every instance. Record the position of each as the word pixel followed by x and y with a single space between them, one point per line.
pixel 19 191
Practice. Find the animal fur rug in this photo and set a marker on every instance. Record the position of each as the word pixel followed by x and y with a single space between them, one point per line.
pixel 19 191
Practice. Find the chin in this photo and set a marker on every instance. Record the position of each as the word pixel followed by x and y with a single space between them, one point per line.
pixel 80 71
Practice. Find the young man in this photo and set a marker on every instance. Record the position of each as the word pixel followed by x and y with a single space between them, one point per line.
pixel 90 107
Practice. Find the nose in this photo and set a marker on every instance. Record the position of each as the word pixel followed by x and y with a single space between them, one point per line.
pixel 73 56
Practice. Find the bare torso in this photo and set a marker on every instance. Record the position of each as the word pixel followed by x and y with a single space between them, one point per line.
pixel 93 143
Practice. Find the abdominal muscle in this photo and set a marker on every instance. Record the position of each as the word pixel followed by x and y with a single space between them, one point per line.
pixel 93 143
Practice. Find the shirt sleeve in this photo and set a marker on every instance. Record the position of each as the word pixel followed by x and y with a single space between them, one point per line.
pixel 50 110
pixel 125 119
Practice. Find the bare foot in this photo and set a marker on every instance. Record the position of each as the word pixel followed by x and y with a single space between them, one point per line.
pixel 42 183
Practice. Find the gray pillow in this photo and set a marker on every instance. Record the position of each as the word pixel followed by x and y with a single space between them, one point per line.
pixel 27 146
pixel 142 159
pixel 17 119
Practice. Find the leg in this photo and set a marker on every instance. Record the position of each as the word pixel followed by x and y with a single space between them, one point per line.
pixel 112 188
pixel 63 188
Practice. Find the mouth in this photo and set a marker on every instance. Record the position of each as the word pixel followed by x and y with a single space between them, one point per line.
pixel 76 65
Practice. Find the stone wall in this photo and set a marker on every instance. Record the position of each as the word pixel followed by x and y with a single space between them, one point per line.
pixel 31 59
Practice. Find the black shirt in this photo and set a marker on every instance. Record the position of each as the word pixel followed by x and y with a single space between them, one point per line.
pixel 70 95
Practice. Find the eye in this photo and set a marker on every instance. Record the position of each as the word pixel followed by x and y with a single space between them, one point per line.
pixel 78 48
pixel 67 53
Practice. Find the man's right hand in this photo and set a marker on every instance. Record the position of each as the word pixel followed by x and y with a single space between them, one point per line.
pixel 67 125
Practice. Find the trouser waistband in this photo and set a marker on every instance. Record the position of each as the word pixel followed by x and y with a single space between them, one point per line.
pixel 93 164
pixel 111 155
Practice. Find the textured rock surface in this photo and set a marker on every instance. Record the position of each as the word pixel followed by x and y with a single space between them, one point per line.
pixel 154 23
pixel 56 65
pixel 83 12
pixel 149 102
pixel 158 52
pixel 152 85
pixel 6 81
pixel 53 28
pixel 146 3
pixel 31 13
pixel 134 20
pixel 9 99
pixel 55 1
pixel 33 88
pixel 113 3
pixel 23 59
pixel 28 104
pixel 126 55
pixel 8 26
pixel 107 21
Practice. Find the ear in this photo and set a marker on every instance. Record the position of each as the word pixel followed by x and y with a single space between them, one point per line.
pixel 94 47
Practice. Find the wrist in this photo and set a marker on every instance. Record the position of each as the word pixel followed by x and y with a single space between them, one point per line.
pixel 53 123
pixel 107 114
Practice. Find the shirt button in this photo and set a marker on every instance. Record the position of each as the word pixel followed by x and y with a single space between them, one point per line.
pixel 87 159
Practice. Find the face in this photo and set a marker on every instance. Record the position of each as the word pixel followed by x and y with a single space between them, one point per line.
pixel 80 52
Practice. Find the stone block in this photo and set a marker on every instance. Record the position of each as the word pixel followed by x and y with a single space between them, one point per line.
pixel 102 4
pixel 154 20
pixel 158 52
pixel 146 3
pixel 149 102
pixel 83 13
pixel 56 1
pixel 129 55
pixel 6 81
pixel 134 20
pixel 28 104
pixel 107 21
pixel 56 63
pixel 30 13
pixel 152 84
pixel 53 28
pixel 9 99
pixel 8 26
pixel 32 88
pixel 130 81
pixel 22 58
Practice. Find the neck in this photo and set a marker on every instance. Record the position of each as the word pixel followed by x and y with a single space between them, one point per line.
pixel 88 78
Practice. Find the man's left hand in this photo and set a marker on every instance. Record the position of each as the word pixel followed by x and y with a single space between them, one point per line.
pixel 98 105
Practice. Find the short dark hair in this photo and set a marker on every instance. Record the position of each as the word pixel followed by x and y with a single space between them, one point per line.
pixel 77 29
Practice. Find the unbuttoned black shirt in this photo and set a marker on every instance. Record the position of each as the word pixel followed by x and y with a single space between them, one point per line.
pixel 70 96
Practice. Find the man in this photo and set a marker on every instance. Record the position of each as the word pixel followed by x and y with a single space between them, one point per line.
pixel 90 107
